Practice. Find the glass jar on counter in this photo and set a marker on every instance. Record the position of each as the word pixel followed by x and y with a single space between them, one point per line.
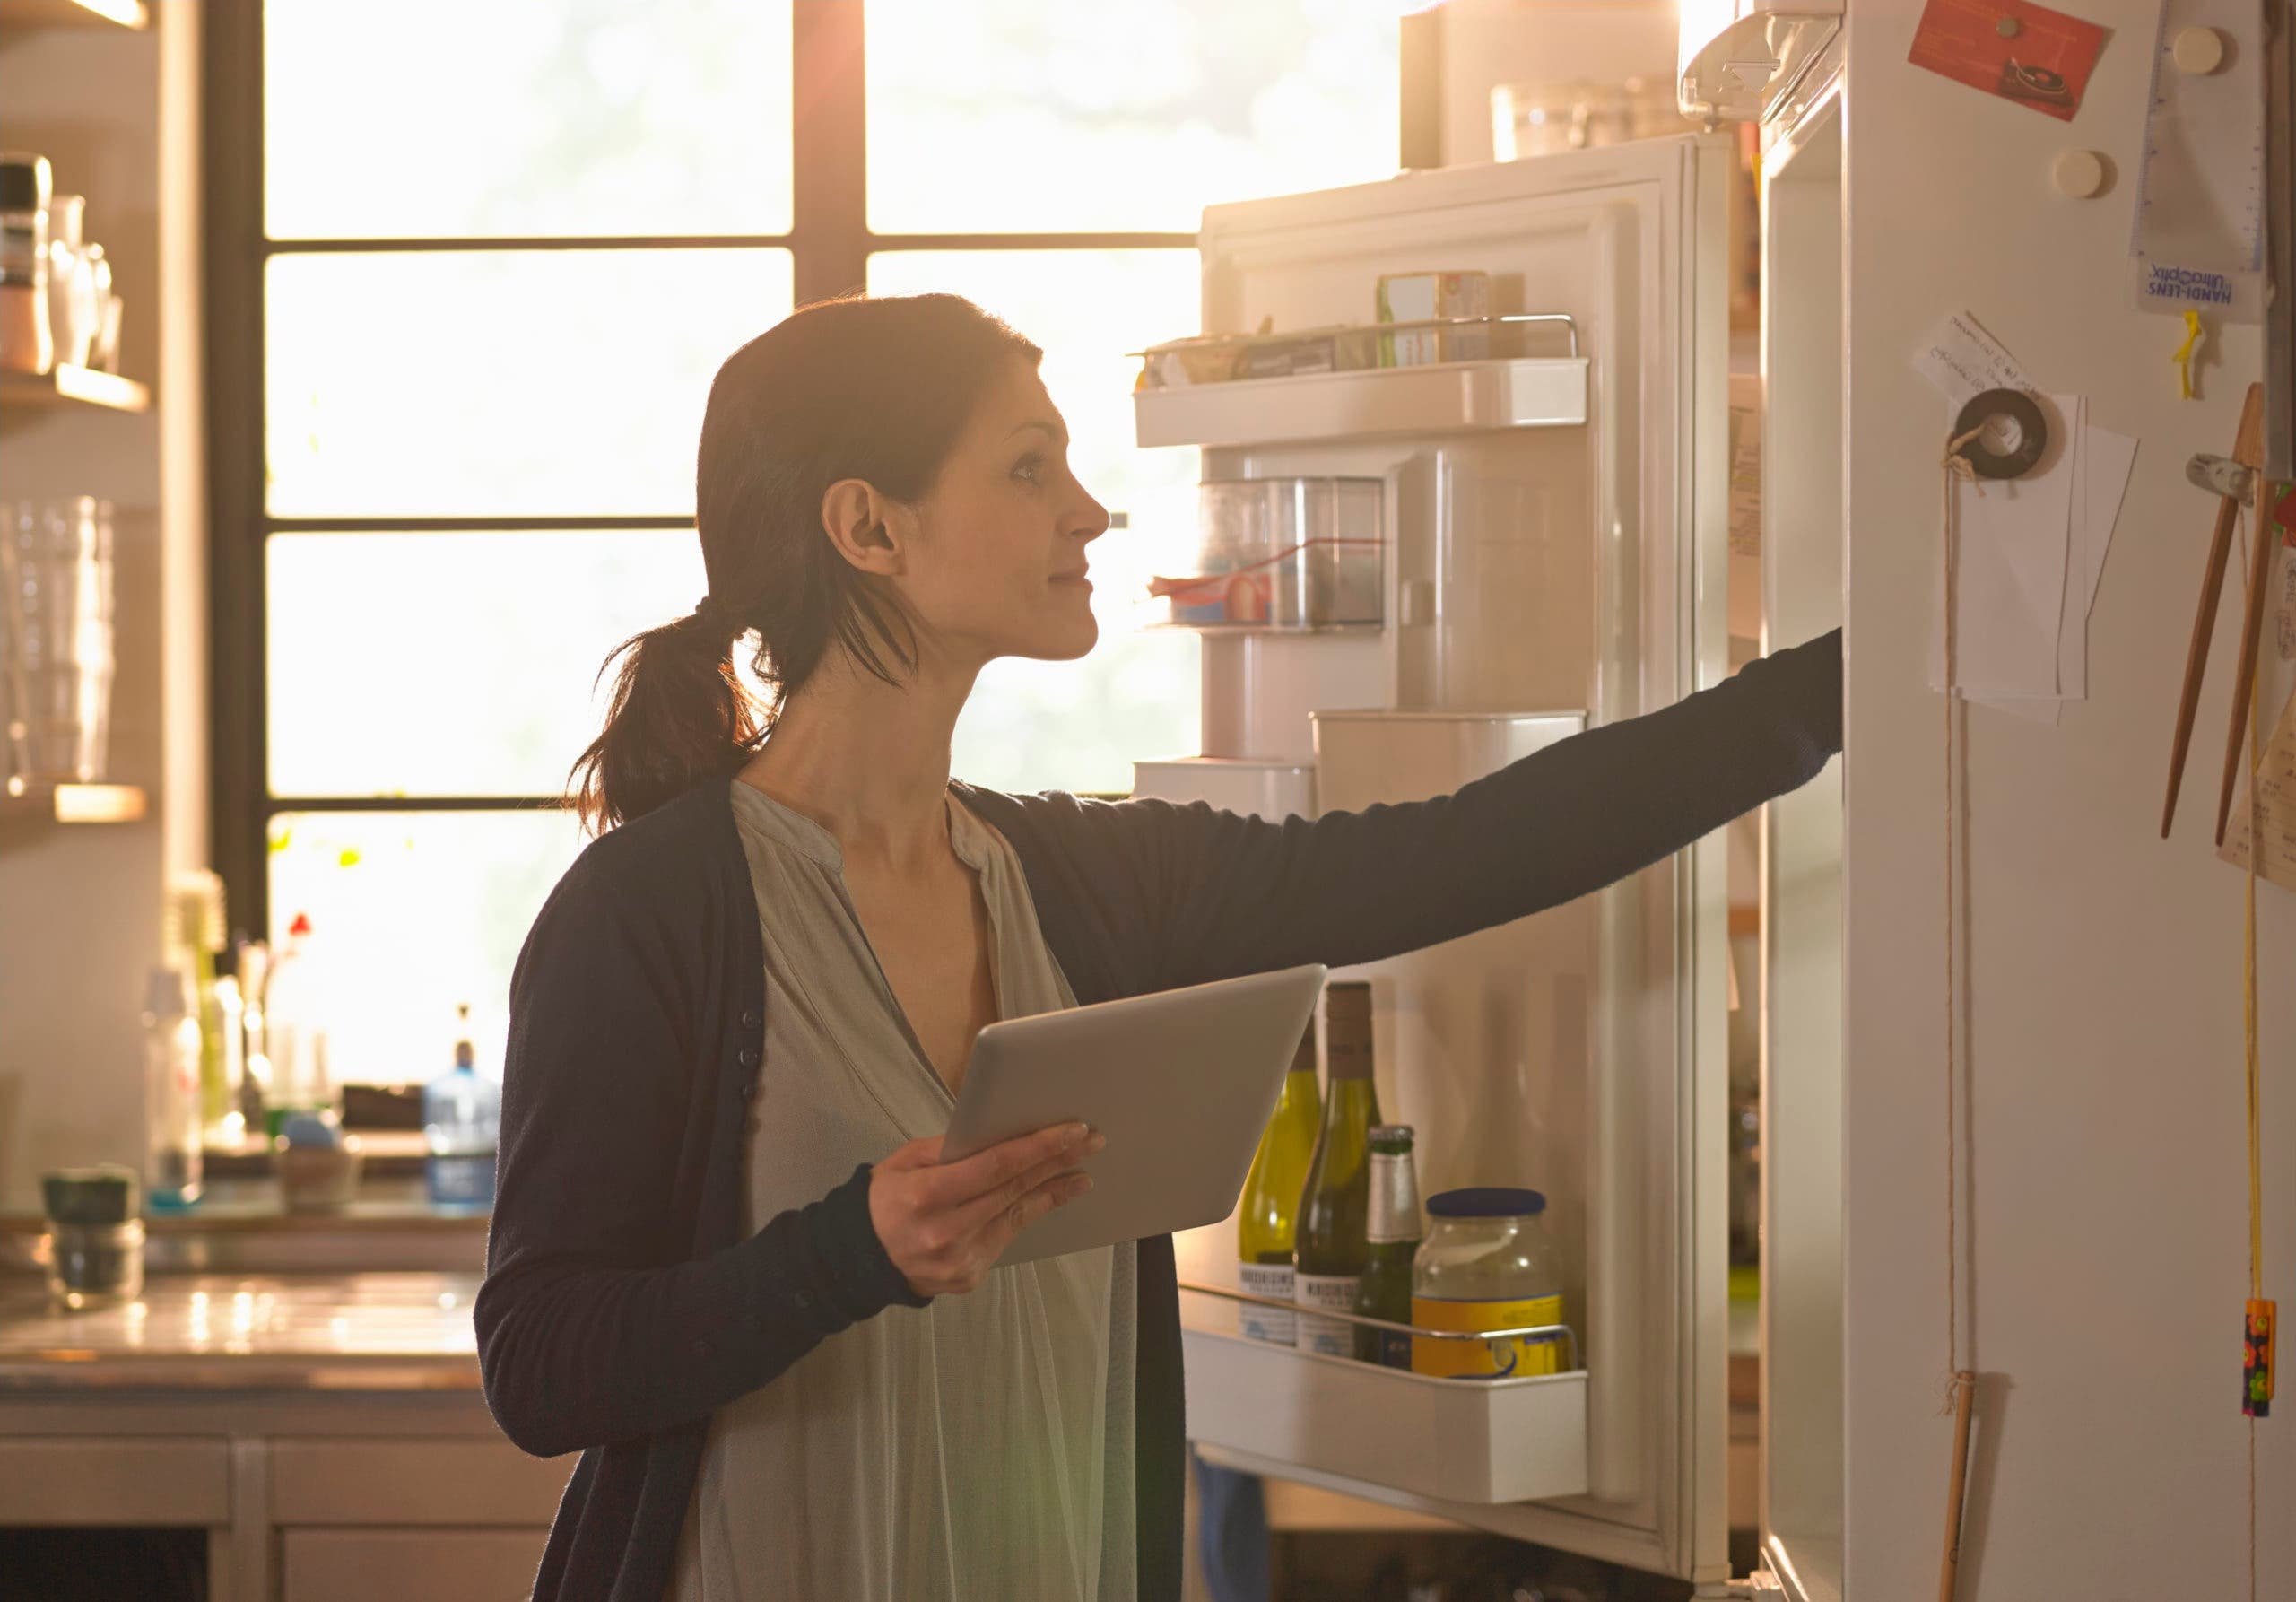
pixel 94 1245
pixel 1486 1264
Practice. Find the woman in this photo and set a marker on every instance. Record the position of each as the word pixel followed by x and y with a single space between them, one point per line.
pixel 727 1264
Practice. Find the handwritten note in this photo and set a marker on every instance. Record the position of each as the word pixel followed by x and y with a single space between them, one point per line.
pixel 2273 809
pixel 1960 359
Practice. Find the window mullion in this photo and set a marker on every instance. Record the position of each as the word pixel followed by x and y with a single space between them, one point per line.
pixel 829 150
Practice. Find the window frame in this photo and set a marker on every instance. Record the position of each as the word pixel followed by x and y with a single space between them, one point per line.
pixel 829 243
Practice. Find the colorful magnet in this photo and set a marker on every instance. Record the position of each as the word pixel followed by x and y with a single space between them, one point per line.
pixel 2256 1363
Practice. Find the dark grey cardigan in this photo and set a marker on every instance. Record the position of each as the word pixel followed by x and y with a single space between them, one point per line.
pixel 622 1305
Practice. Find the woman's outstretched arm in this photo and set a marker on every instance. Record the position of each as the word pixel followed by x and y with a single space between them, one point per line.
pixel 1229 894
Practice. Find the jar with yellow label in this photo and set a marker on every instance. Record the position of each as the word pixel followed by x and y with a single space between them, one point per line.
pixel 1486 1264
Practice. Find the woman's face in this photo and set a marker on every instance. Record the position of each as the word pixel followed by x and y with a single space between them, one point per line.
pixel 992 562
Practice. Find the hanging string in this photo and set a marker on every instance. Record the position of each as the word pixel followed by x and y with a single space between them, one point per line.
pixel 1963 1383
pixel 2248 954
pixel 2249 1023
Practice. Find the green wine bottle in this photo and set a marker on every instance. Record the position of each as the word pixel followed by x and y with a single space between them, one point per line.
pixel 1270 1208
pixel 1331 1250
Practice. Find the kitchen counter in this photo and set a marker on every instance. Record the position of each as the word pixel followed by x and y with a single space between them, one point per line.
pixel 334 1332
pixel 325 1430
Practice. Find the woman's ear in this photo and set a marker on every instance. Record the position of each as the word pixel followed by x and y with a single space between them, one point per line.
pixel 870 530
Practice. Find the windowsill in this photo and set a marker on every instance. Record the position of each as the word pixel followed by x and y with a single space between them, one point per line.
pixel 387 1156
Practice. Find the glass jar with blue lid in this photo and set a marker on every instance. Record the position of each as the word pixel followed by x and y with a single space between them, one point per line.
pixel 1487 1264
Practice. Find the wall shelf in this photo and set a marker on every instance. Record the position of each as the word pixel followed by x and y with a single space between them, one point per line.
pixel 73 386
pixel 132 14
pixel 75 803
pixel 1439 398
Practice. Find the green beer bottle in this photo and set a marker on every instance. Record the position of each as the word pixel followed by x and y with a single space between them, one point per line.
pixel 1391 1232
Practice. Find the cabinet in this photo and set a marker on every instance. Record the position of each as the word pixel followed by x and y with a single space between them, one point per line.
pixel 303 1498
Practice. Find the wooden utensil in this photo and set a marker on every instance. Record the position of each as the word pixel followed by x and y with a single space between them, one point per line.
pixel 2203 622
pixel 2248 451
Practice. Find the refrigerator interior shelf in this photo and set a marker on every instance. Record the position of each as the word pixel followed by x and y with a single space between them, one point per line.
pixel 1464 1441
pixel 1436 398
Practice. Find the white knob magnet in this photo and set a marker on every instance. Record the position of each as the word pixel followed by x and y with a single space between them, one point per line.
pixel 2199 50
pixel 2078 174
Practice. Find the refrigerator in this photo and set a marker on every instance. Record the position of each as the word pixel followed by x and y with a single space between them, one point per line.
pixel 1523 530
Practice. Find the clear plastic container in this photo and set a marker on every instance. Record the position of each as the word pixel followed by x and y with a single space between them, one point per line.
pixel 1283 554
pixel 1486 1264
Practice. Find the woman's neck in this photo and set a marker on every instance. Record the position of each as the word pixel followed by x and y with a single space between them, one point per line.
pixel 868 761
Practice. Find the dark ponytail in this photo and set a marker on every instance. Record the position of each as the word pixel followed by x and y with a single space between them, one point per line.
pixel 873 389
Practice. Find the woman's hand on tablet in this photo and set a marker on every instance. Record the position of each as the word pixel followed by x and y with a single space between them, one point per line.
pixel 944 1224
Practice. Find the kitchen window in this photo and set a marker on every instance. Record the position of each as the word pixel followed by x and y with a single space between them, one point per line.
pixel 471 267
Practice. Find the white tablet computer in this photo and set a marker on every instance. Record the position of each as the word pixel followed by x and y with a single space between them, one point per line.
pixel 1181 1082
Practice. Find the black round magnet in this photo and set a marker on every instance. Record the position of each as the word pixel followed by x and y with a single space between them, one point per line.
pixel 2010 433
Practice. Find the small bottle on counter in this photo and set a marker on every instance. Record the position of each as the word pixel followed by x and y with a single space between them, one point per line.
pixel 27 343
pixel 95 1236
pixel 228 1131
pixel 171 1122
pixel 462 1116
pixel 197 936
pixel 295 1004
pixel 254 967
pixel 1392 1230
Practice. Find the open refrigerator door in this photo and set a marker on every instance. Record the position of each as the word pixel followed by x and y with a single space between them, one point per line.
pixel 1449 519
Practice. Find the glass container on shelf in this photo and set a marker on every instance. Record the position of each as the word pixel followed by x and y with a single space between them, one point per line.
pixel 74 313
pixel 1283 554
pixel 56 639
pixel 26 188
pixel 1487 1264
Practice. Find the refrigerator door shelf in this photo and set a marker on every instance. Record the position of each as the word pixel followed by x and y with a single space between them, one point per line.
pixel 1439 398
pixel 1385 1430
pixel 1254 789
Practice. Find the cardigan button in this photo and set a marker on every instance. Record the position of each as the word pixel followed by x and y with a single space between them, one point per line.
pixel 703 1349
pixel 747 1057
pixel 750 1018
pixel 749 1089
pixel 802 1299
pixel 753 1324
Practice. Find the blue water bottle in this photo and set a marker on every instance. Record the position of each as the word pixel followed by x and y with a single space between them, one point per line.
pixel 461 1115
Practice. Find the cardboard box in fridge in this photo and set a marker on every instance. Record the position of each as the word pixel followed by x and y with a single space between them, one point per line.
pixel 1416 297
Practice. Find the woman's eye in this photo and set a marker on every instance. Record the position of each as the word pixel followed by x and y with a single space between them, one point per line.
pixel 1031 469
